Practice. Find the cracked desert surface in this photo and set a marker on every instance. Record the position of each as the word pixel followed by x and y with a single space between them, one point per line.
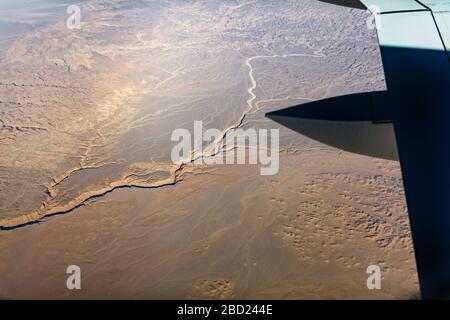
pixel 86 177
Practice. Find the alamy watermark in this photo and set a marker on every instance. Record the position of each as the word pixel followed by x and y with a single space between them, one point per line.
pixel 374 280
pixel 235 146
pixel 74 20
pixel 74 280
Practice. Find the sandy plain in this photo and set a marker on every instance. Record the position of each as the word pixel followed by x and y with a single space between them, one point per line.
pixel 86 177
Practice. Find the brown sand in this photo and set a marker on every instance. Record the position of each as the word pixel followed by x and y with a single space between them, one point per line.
pixel 227 232
pixel 94 111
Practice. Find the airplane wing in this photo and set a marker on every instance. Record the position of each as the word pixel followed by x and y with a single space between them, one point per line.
pixel 410 122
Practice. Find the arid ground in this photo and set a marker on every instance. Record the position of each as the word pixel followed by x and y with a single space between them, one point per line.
pixel 86 178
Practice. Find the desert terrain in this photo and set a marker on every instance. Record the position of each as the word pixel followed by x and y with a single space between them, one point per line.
pixel 86 176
